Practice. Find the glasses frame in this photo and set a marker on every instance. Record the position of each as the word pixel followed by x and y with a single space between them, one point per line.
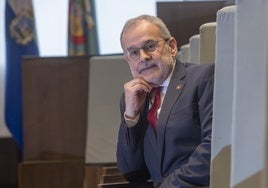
pixel 144 47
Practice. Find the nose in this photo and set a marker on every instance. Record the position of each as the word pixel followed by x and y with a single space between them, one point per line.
pixel 144 55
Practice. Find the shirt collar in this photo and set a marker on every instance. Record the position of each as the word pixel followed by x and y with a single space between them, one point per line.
pixel 166 82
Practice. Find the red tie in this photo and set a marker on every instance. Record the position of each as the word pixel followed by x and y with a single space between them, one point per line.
pixel 152 113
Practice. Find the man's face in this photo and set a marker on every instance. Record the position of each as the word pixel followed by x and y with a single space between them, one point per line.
pixel 155 58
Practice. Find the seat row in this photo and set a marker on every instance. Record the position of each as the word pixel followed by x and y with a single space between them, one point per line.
pixel 237 43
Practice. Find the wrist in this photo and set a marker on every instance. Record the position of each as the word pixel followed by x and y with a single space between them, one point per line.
pixel 131 121
pixel 130 117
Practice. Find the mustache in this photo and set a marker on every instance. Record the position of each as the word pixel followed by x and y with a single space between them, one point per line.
pixel 146 65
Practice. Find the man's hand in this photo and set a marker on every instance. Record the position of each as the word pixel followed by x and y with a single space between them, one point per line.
pixel 135 94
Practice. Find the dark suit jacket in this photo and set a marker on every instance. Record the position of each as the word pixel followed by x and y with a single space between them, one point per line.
pixel 179 154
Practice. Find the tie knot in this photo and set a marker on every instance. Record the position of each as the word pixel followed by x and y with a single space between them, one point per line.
pixel 157 91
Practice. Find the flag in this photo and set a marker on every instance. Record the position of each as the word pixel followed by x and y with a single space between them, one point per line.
pixel 82 31
pixel 20 41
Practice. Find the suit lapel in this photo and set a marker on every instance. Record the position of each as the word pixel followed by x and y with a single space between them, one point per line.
pixel 173 92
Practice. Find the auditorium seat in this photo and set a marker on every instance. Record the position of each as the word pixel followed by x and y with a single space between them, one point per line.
pixel 223 98
pixel 183 54
pixel 207 43
pixel 107 75
pixel 250 133
pixel 194 49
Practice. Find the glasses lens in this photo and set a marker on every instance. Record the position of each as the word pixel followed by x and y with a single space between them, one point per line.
pixel 133 54
pixel 150 46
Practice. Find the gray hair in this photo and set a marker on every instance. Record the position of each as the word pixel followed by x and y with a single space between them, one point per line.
pixel 164 32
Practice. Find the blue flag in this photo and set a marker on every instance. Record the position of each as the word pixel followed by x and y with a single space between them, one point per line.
pixel 20 41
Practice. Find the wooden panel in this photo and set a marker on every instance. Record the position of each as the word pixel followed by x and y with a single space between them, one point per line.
pixel 110 170
pixel 51 174
pixel 93 174
pixel 107 175
pixel 55 91
pixel 125 185
pixel 9 159
pixel 184 18
pixel 111 178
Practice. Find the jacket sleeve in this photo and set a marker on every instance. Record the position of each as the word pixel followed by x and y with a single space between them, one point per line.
pixel 196 171
pixel 130 158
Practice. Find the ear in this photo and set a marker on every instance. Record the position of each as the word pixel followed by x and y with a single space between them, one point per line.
pixel 173 46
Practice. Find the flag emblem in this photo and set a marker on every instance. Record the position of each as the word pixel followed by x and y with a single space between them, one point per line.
pixel 22 27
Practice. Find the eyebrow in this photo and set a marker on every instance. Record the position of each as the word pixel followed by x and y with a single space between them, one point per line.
pixel 142 44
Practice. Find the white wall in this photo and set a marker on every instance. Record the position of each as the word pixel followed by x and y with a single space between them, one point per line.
pixel 2 31
pixel 3 130
pixel 111 16
pixel 51 18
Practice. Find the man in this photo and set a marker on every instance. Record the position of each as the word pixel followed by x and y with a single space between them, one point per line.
pixel 176 151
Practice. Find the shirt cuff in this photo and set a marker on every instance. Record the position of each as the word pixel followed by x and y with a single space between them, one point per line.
pixel 131 122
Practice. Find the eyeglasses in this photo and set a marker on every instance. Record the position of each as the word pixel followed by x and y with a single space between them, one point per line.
pixel 133 54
